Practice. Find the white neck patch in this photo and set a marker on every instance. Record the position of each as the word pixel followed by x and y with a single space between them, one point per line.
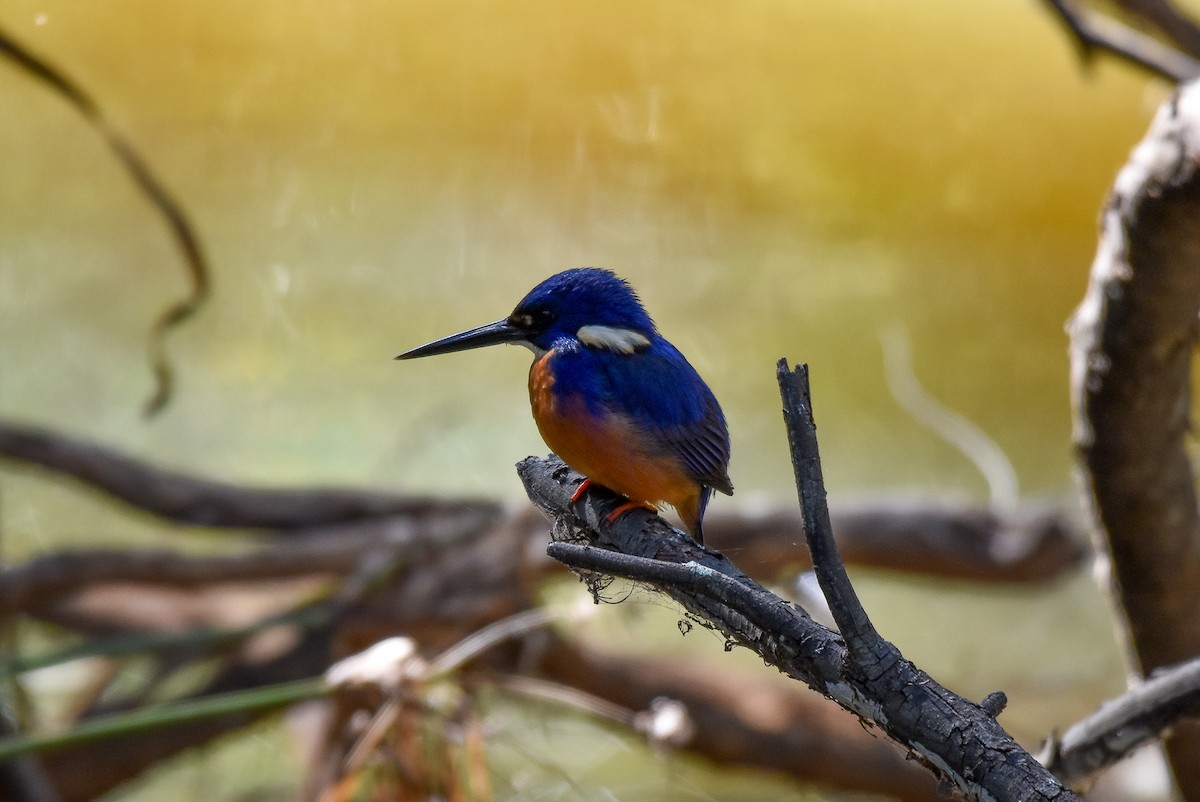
pixel 537 352
pixel 623 341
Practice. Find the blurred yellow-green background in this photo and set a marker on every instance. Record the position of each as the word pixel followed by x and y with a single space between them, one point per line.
pixel 776 178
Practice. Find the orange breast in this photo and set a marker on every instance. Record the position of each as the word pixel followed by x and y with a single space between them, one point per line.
pixel 607 448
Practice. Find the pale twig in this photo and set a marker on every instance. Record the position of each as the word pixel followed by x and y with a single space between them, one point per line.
pixel 1121 725
pixel 970 440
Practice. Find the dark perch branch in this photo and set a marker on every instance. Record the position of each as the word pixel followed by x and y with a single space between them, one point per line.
pixel 1121 725
pixel 1092 31
pixel 953 736
pixel 956 738
pixel 1132 343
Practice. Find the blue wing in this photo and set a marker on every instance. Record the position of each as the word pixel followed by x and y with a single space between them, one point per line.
pixel 661 391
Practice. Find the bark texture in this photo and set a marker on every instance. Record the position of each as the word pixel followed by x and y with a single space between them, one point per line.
pixel 1132 343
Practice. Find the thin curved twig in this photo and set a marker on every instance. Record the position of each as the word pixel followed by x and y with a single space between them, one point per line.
pixel 181 229
pixel 952 427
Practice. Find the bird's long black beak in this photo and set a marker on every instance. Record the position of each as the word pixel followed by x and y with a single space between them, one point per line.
pixel 502 331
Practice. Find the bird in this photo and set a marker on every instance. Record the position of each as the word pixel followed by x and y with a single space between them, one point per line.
pixel 611 396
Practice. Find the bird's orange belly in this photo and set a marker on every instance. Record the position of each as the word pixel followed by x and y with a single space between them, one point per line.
pixel 607 448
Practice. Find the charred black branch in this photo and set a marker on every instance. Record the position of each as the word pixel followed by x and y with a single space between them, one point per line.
pixel 958 739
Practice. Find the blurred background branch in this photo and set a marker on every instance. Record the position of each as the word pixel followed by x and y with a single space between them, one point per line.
pixel 458 567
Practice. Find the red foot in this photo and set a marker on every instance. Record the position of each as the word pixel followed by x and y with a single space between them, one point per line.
pixel 579 491
pixel 613 516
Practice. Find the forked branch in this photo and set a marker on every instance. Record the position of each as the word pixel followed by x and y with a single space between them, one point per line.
pixel 957 739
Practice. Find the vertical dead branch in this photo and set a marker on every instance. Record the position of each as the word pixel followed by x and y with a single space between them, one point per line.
pixel 865 645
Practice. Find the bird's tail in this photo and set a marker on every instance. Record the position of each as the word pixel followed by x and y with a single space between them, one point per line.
pixel 696 524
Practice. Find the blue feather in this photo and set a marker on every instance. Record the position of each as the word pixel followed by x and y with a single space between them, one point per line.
pixel 661 392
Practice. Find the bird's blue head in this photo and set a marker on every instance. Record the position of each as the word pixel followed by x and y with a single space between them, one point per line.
pixel 587 304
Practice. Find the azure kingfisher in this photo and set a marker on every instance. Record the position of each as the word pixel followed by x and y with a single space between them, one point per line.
pixel 610 396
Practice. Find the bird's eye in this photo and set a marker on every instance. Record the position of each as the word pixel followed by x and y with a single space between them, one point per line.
pixel 534 319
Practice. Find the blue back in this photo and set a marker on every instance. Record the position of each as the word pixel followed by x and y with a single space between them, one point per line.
pixel 654 386
pixel 659 390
